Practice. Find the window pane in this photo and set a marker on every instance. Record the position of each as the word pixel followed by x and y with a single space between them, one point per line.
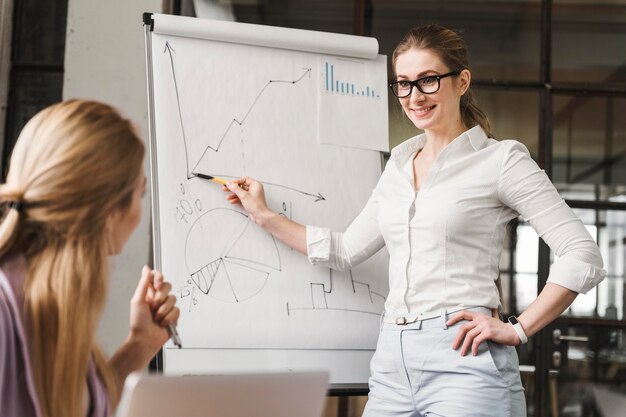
pixel 588 41
pixel 502 36
pixel 608 228
pixel 611 238
pixel 33 91
pixel 322 15
pixel 525 290
pixel 512 114
pixel 39 32
pixel 518 267
pixel 498 105
pixel 590 147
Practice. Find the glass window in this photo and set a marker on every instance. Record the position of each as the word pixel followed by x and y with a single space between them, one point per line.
pixel 606 301
pixel 321 15
pixel 608 229
pixel 33 90
pixel 39 32
pixel 512 114
pixel 588 41
pixel 590 147
pixel 611 239
pixel 525 276
pixel 502 36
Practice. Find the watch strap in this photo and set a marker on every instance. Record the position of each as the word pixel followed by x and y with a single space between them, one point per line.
pixel 518 329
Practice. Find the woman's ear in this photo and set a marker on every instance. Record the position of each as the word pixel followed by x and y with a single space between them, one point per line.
pixel 464 79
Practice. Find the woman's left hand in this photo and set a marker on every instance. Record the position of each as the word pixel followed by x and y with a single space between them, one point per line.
pixel 480 328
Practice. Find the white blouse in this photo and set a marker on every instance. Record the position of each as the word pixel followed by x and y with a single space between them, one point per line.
pixel 445 241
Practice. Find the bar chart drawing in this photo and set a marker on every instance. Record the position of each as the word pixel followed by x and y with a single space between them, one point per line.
pixel 335 85
pixel 356 297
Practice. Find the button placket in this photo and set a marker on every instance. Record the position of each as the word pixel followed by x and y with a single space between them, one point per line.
pixel 411 213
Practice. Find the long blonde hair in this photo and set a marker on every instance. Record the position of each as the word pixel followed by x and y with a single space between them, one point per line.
pixel 450 48
pixel 73 164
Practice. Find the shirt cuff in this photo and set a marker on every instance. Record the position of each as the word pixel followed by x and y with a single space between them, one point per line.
pixel 576 275
pixel 318 244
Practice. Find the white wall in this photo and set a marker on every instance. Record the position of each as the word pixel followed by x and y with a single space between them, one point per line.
pixel 105 60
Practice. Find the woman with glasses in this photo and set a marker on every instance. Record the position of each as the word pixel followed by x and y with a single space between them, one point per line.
pixel 441 208
pixel 72 198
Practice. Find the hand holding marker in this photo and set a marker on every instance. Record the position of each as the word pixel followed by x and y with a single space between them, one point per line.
pixel 171 328
pixel 216 179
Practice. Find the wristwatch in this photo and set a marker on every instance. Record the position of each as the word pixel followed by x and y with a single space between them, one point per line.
pixel 518 329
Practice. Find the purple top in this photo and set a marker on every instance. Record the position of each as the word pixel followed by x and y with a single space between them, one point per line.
pixel 18 397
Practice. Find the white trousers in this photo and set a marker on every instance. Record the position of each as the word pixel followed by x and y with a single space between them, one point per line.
pixel 416 373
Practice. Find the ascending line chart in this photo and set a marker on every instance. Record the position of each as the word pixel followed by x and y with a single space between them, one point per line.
pixel 233 268
pixel 203 159
pixel 214 146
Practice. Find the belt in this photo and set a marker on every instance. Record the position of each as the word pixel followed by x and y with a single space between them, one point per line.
pixel 430 316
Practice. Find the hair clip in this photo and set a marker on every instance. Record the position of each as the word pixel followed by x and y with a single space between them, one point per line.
pixel 17 205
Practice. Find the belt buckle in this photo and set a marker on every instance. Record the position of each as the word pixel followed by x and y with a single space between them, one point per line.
pixel 401 321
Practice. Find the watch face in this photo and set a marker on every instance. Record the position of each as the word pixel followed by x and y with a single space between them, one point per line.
pixel 513 320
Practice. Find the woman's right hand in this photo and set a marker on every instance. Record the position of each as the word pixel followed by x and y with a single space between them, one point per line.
pixel 152 310
pixel 250 195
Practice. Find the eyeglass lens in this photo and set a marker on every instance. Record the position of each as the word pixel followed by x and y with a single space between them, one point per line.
pixel 427 85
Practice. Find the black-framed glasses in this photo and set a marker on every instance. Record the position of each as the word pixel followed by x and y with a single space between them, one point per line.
pixel 427 85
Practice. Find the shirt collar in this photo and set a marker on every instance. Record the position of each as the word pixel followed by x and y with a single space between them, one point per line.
pixel 477 137
pixel 400 154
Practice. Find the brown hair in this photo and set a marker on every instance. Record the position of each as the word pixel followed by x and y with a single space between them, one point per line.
pixel 74 163
pixel 451 49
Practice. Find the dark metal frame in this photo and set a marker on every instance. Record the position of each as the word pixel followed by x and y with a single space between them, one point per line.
pixel 22 16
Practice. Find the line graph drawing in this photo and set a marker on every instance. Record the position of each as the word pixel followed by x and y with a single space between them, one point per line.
pixel 234 122
pixel 231 269
pixel 321 292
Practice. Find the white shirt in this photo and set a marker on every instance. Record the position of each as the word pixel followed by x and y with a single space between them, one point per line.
pixel 445 241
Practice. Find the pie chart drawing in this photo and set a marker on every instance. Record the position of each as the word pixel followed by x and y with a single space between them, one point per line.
pixel 228 257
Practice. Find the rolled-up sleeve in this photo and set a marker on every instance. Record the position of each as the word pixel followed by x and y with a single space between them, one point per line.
pixel 525 188
pixel 318 243
pixel 344 250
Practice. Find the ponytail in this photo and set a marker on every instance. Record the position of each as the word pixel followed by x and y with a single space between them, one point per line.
pixel 472 115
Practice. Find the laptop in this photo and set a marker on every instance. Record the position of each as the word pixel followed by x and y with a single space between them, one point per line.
pixel 293 394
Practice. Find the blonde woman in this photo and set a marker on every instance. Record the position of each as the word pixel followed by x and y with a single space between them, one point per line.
pixel 72 199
